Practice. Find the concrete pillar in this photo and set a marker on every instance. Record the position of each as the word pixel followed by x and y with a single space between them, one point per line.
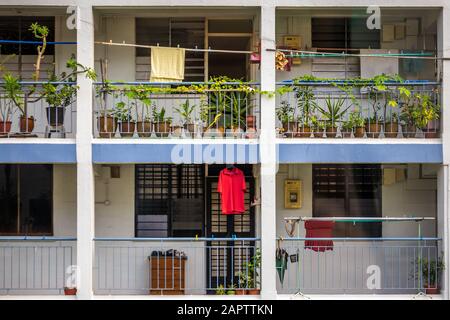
pixel 268 153
pixel 443 177
pixel 85 172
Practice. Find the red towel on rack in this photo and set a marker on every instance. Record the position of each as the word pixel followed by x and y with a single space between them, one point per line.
pixel 319 229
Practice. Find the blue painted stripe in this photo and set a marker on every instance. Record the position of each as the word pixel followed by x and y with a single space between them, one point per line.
pixel 37 153
pixel 360 153
pixel 175 153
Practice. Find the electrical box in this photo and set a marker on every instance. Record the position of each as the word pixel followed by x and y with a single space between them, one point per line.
pixel 292 194
pixel 294 43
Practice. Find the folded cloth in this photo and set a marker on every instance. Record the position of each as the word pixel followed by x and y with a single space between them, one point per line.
pixel 319 229
pixel 167 64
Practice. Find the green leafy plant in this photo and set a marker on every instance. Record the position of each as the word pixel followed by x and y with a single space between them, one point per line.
pixel 220 290
pixel 139 97
pixel 427 270
pixel 285 112
pixel 306 104
pixel 355 120
pixel 249 276
pixel 122 112
pixel 160 116
pixel 334 111
pixel 185 111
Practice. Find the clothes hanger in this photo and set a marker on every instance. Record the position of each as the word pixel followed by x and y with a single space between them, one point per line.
pixel 230 166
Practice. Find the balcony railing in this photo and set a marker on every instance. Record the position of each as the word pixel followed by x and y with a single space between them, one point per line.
pixel 30 113
pixel 182 110
pixel 35 265
pixel 362 266
pixel 174 266
pixel 340 109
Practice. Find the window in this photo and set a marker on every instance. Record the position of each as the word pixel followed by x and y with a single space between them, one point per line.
pixel 17 28
pixel 343 33
pixel 348 191
pixel 170 32
pixel 169 200
pixel 26 199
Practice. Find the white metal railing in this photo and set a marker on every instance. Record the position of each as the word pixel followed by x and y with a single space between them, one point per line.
pixel 361 266
pixel 168 266
pixel 35 265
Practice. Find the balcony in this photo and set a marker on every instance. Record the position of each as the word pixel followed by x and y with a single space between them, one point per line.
pixel 187 110
pixel 36 265
pixel 31 112
pixel 362 266
pixel 177 266
pixel 356 109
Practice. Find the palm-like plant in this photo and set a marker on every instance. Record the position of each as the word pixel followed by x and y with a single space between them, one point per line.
pixel 334 111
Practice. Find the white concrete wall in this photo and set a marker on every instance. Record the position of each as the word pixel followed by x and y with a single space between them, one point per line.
pixel 64 200
pixel 117 218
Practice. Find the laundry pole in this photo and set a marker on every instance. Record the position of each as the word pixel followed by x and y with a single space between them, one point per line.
pixel 268 155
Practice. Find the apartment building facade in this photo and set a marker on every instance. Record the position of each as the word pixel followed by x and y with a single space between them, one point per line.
pixel 116 193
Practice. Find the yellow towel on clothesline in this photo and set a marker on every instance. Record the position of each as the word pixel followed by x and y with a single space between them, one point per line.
pixel 167 64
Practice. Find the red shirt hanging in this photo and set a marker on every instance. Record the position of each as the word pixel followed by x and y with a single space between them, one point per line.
pixel 231 186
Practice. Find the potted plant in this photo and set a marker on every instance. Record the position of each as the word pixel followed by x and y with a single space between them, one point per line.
pixel 425 112
pixel 391 127
pixel 161 123
pixel 70 291
pixel 6 111
pixel 107 123
pixel 427 272
pixel 307 105
pixel 220 290
pixel 139 98
pixel 232 290
pixel 125 121
pixel 249 276
pixel 355 124
pixel 59 92
pixel 185 111
pixel 373 126
pixel 285 113
pixel 332 114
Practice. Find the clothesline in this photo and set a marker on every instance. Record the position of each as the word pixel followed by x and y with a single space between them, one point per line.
pixel 123 44
pixel 314 54
pixel 360 219
pixel 291 53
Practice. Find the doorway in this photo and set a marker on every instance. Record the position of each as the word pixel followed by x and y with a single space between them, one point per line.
pixel 226 258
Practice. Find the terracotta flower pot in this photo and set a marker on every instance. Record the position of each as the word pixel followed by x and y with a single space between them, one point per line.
pixel 359 132
pixel 241 292
pixel 289 129
pixel 144 129
pixel 251 122
pixel 70 291
pixel 430 133
pixel 432 289
pixel 107 126
pixel 331 132
pixel 303 132
pixel 391 130
pixel 162 128
pixel 254 291
pixel 26 124
pixel 346 133
pixel 126 129
pixel 5 126
pixel 409 131
pixel 373 130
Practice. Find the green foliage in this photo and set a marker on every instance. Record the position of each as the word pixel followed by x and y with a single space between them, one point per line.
pixel 249 276
pixel 122 112
pixel 160 116
pixel 334 111
pixel 285 112
pixel 220 291
pixel 306 103
pixel 355 120
pixel 430 270
pixel 185 111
